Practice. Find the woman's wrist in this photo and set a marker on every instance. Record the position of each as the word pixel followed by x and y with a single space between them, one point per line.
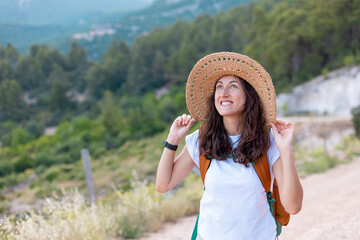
pixel 286 152
pixel 173 140
pixel 285 148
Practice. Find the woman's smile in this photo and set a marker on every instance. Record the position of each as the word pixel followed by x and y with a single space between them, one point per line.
pixel 225 103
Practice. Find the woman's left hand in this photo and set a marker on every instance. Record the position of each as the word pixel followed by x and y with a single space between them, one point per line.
pixel 283 133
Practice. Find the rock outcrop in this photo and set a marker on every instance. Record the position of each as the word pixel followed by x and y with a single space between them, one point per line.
pixel 335 95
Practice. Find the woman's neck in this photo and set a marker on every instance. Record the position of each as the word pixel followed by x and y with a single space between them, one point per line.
pixel 233 125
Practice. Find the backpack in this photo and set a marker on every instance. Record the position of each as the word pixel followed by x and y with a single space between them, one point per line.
pixel 262 169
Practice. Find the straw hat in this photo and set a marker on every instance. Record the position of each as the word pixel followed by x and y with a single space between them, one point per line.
pixel 203 77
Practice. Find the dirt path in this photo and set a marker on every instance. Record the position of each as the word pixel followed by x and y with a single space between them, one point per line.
pixel 331 209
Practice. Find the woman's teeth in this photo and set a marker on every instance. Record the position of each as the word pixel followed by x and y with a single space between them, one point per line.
pixel 225 103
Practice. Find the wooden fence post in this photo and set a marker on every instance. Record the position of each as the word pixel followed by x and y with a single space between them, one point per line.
pixel 87 168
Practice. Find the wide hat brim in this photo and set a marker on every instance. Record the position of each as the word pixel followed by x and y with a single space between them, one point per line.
pixel 203 77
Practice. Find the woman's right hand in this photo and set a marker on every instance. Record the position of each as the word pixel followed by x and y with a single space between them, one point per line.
pixel 180 127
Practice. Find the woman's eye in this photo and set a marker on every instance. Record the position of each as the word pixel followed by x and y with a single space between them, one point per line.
pixel 234 86
pixel 219 86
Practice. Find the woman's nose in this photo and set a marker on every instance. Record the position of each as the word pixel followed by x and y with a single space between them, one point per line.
pixel 225 91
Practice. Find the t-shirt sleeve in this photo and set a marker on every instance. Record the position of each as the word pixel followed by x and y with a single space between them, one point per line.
pixel 192 145
pixel 273 153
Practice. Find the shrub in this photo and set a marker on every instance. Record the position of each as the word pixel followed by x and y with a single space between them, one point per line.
pixel 3 207
pixel 82 124
pixel 349 60
pixel 350 145
pixel 13 179
pixel 22 163
pixel 356 120
pixel 6 167
pixel 325 73
pixel 20 136
pixel 97 149
pixel 35 127
pixel 44 158
pixel 320 163
pixel 70 147
pixel 52 174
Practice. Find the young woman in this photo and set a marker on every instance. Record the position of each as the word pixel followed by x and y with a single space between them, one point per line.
pixel 233 95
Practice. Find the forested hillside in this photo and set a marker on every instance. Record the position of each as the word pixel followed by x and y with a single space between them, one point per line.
pixel 27 22
pixel 162 13
pixel 95 24
pixel 294 40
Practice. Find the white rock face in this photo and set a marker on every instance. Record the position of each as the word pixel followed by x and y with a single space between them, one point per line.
pixel 335 96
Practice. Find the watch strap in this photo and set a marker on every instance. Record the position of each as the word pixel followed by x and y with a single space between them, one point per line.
pixel 170 146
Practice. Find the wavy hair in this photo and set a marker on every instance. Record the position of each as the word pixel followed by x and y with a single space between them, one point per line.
pixel 255 140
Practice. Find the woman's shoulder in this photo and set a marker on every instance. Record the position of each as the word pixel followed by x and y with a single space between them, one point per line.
pixel 192 145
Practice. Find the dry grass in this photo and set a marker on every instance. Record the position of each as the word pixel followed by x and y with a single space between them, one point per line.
pixel 122 215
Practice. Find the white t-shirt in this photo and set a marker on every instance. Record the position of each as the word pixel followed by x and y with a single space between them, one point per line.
pixel 234 204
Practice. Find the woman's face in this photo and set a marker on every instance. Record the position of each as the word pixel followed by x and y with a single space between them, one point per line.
pixel 230 97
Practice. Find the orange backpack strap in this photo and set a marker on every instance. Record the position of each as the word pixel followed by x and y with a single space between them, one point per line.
pixel 204 162
pixel 204 165
pixel 262 169
pixel 281 215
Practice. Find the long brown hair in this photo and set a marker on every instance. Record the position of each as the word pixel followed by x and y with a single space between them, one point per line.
pixel 255 140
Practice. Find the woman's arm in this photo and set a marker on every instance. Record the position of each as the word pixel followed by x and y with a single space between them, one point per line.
pixel 291 192
pixel 170 172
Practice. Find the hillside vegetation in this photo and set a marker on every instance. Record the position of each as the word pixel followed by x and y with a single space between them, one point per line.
pixel 293 39
pixel 95 23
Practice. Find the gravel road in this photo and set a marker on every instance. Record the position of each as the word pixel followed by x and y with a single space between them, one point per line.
pixel 331 209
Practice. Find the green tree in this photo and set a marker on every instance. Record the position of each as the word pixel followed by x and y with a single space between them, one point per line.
pixel 143 116
pixel 34 49
pixel 77 56
pixel 12 106
pixel 6 72
pixel 35 127
pixel 111 115
pixel 58 75
pixel 20 136
pixel 182 61
pixel 11 55
pixel 58 99
pixel 48 58
pixel 78 67
pixel 159 68
pixel 29 74
pixel 111 73
pixel 139 78
pixel 221 34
